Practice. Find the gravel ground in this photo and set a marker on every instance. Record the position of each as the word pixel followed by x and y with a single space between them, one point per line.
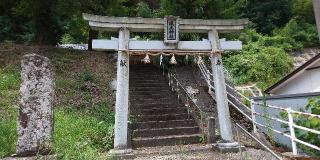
pixel 198 152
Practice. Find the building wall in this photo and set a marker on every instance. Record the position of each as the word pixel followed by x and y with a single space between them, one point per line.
pixel 306 82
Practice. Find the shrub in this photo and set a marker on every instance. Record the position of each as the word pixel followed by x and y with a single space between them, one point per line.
pixel 257 63
pixel 300 34
pixel 308 122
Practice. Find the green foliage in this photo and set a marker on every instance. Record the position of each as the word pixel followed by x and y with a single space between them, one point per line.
pixel 61 20
pixel 9 79
pixel 9 84
pixel 303 9
pixel 143 10
pixel 299 34
pixel 83 134
pixel 8 136
pixel 262 60
pixel 67 39
pixel 309 122
pixel 268 15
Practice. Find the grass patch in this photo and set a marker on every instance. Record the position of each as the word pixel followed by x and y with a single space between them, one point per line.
pixel 9 84
pixel 8 137
pixel 83 134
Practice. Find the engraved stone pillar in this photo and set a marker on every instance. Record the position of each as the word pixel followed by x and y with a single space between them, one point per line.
pixel 220 89
pixel 122 94
pixel 35 122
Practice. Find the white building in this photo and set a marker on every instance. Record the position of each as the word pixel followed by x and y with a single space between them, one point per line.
pixel 305 79
pixel 292 91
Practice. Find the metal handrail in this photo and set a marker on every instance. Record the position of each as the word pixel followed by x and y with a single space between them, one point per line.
pixel 171 77
pixel 206 74
pixel 185 91
pixel 257 140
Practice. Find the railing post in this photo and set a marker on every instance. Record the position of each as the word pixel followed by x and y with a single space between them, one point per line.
pixel 253 116
pixel 292 133
pixel 178 94
pixel 169 78
pixel 172 83
pixel 162 69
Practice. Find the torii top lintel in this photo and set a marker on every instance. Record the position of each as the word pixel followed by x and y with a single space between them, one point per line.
pixel 138 24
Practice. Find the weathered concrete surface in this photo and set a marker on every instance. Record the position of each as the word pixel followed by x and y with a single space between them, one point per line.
pixel 35 121
pixel 38 157
pixel 122 94
pixel 220 89
pixel 198 152
pixel 139 24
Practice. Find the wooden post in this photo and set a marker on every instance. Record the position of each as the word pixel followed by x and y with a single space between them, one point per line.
pixel 211 130
pixel 220 88
pixel 122 95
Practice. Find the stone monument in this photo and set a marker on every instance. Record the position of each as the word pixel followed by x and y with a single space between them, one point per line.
pixel 35 121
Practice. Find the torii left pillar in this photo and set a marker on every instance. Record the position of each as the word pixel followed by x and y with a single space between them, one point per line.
pixel 122 96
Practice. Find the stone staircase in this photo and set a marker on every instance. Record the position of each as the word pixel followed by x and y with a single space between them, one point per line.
pixel 158 118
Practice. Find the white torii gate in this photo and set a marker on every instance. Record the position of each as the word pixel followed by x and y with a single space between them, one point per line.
pixel 171 26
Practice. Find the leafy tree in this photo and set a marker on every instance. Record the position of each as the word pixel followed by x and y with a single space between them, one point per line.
pixel 300 33
pixel 303 10
pixel 43 19
pixel 143 10
pixel 268 15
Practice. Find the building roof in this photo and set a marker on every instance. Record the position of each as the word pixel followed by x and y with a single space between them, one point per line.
pixel 293 74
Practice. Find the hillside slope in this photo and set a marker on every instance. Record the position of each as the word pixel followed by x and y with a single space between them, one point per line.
pixel 84 101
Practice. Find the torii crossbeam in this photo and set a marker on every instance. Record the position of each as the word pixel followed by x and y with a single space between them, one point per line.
pixel 170 26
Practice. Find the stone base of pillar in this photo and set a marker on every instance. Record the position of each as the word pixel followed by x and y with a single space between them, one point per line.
pixel 46 157
pixel 228 147
pixel 119 154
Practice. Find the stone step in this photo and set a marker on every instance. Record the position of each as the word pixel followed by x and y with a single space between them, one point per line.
pixel 145 75
pixel 147 99
pixel 161 117
pixel 166 140
pixel 164 124
pixel 143 85
pixel 149 89
pixel 165 131
pixel 161 92
pixel 146 81
pixel 153 87
pixel 149 96
pixel 155 111
pixel 155 105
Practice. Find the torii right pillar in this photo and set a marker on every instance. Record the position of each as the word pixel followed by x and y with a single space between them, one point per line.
pixel 220 88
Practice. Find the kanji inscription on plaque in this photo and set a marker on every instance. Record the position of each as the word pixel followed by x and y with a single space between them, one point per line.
pixel 171 29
